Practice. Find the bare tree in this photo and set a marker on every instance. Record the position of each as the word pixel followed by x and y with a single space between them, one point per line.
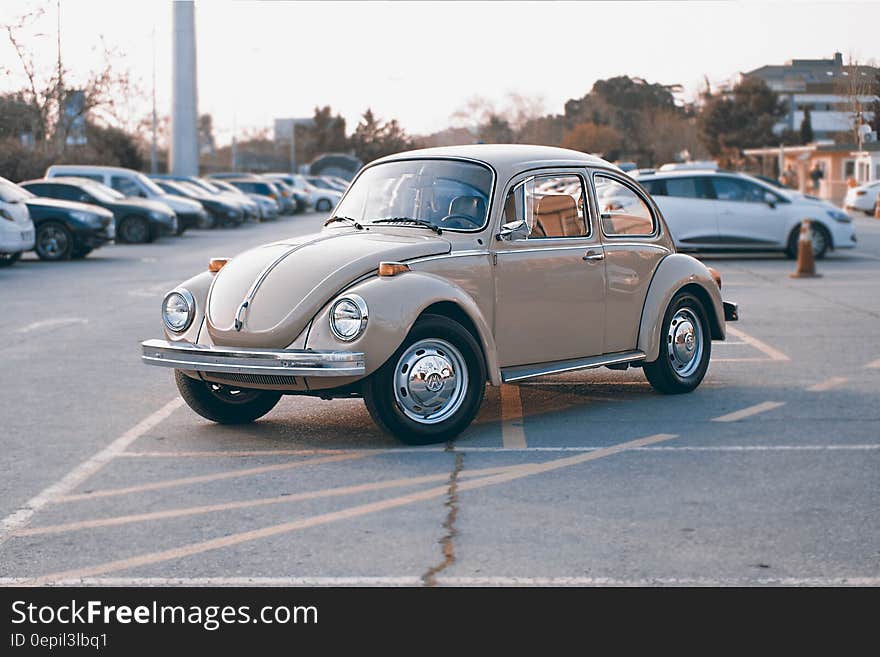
pixel 858 87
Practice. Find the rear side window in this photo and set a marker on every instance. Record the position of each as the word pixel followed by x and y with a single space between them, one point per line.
pixel 623 212
pixel 655 187
pixel 734 189
pixel 687 188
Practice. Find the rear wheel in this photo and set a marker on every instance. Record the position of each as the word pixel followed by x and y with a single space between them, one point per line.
pixel 431 389
pixel 54 241
pixel 323 205
pixel 685 348
pixel 134 230
pixel 225 404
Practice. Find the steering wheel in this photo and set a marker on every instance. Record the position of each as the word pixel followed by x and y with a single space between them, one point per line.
pixel 455 221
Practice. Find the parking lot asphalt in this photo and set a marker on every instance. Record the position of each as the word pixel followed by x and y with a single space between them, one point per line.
pixel 769 473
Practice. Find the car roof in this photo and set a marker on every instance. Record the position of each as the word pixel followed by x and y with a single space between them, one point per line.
pixel 688 173
pixel 507 159
pixel 89 167
pixel 63 180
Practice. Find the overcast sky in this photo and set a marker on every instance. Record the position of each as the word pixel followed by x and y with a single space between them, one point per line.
pixel 419 62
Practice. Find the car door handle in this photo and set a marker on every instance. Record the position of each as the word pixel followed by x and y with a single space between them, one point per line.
pixel 594 255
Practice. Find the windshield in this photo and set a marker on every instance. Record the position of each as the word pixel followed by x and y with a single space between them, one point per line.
pixel 12 193
pixel 449 194
pixel 152 187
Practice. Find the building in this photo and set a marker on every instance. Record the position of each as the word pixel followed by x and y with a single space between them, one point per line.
pixel 839 164
pixel 828 87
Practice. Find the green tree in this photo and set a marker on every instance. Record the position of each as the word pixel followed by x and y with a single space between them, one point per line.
pixel 807 127
pixel 373 138
pixel 742 119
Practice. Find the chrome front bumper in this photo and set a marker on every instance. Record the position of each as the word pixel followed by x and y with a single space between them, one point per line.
pixel 266 362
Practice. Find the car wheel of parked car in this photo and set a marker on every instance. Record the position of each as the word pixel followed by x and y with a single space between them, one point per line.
pixel 323 205
pixel 821 241
pixel 225 404
pixel 431 388
pixel 9 259
pixel 134 230
pixel 80 253
pixel 685 347
pixel 207 221
pixel 181 229
pixel 54 241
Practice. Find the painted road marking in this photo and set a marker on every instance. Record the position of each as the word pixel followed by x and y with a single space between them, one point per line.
pixel 19 518
pixel 51 323
pixel 763 347
pixel 247 504
pixel 874 365
pixel 827 384
pixel 763 407
pixel 512 431
pixel 232 453
pixel 342 514
pixel 200 479
pixel 415 580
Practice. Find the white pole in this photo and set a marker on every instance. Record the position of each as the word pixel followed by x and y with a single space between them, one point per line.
pixel 184 110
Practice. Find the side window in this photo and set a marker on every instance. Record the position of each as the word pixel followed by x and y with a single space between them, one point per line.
pixel 125 186
pixel 553 206
pixel 686 188
pixel 733 189
pixel 655 187
pixel 68 192
pixel 623 212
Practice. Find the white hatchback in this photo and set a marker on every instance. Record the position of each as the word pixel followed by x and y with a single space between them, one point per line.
pixel 726 211
pixel 16 227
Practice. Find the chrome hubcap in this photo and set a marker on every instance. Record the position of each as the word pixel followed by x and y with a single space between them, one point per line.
pixel 818 241
pixel 684 342
pixel 53 242
pixel 430 381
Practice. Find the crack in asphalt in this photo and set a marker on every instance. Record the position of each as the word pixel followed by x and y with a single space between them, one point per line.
pixel 447 542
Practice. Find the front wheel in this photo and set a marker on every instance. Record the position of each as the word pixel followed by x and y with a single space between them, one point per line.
pixel 820 238
pixel 431 389
pixel 9 259
pixel 685 347
pixel 54 242
pixel 134 230
pixel 323 205
pixel 225 404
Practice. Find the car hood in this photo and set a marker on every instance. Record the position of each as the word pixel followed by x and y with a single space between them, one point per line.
pixel 43 202
pixel 143 205
pixel 286 283
pixel 179 203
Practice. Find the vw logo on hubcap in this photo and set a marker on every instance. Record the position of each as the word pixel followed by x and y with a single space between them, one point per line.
pixel 434 382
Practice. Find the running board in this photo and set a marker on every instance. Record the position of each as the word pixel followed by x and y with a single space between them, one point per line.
pixel 519 372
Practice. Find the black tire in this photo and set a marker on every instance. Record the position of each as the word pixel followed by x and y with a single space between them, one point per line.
pixel 382 400
pixel 663 374
pixel 134 230
pixel 207 222
pixel 54 241
pixel 222 404
pixel 81 252
pixel 791 249
pixel 181 229
pixel 9 259
pixel 323 205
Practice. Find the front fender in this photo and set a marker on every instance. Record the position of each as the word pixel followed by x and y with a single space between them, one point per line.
pixel 674 272
pixel 394 304
pixel 198 286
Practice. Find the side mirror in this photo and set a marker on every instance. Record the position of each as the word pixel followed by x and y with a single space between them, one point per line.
pixel 770 199
pixel 515 230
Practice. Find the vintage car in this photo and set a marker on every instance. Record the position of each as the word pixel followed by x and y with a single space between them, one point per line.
pixel 439 271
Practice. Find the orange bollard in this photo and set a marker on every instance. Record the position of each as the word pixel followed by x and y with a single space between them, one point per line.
pixel 806 263
pixel 877 207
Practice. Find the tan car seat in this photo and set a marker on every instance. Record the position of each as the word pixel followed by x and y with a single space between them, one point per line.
pixel 556 215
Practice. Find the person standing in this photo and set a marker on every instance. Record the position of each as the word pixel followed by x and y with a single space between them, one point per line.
pixel 816 175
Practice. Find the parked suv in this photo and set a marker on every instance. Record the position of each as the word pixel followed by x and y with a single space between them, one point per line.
pixel 137 220
pixel 725 211
pixel 134 184
pixel 16 228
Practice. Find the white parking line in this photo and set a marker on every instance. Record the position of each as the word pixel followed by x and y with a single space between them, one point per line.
pixel 827 384
pixel 874 364
pixel 414 580
pixel 763 347
pixel 51 323
pixel 748 412
pixel 22 516
pixel 512 432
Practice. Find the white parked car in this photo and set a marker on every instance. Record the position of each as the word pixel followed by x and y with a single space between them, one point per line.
pixel 16 227
pixel 725 211
pixel 134 184
pixel 863 197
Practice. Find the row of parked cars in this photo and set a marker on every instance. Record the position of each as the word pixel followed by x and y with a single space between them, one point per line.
pixel 75 209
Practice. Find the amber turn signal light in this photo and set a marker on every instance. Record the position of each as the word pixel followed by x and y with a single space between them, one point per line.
pixel 216 264
pixel 392 268
pixel 716 276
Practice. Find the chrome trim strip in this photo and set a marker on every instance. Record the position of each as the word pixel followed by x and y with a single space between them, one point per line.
pixel 519 372
pixel 279 362
pixel 551 247
pixel 453 254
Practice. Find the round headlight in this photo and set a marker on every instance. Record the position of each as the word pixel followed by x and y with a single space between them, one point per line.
pixel 178 310
pixel 348 317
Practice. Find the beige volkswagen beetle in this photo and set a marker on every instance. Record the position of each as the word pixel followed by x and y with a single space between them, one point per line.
pixel 440 270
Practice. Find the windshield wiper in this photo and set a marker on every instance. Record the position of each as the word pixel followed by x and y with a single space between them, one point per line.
pixel 409 221
pixel 353 222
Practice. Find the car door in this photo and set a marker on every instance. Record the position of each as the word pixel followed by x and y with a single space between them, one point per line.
pixel 549 284
pixel 687 204
pixel 634 246
pixel 746 218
